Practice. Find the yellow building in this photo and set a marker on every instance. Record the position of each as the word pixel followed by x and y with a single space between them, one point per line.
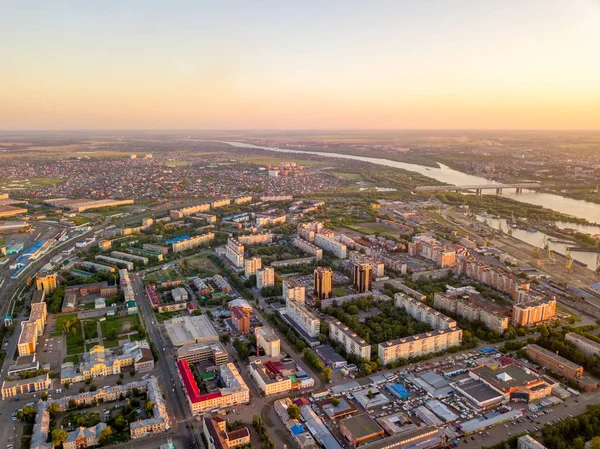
pixel 323 281
pixel 46 282
pixel 12 388
pixel 38 316
pixel 28 338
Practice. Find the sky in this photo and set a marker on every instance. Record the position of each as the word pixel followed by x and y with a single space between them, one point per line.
pixel 430 64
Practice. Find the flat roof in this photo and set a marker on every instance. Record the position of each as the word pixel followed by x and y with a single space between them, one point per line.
pixel 479 390
pixel 189 330
pixel 361 426
pixel 434 333
pixel 555 357
pixel 28 331
pixel 509 376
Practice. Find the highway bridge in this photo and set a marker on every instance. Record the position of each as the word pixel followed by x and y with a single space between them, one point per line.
pixel 479 188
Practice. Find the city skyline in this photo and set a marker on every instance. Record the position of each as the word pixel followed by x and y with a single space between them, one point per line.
pixel 397 65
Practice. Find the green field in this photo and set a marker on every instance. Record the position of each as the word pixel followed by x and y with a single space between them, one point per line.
pixel 347 176
pixel 71 358
pixel 118 325
pixel 176 164
pixel 60 321
pixel 163 275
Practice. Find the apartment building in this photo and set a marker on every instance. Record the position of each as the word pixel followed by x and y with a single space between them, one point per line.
pixel 328 243
pixel 177 214
pixel 268 340
pixel 265 277
pixel 377 267
pixel 220 203
pixel 534 312
pixel 46 282
pixel 527 442
pixel 421 312
pixel 472 308
pixel 323 282
pixel 431 249
pixel 38 316
pixel 234 252
pixel 192 242
pixel 12 388
pixel 243 199
pixel 269 220
pixel 130 257
pixel 126 286
pixel 362 277
pixel 234 392
pixel 251 265
pixel 418 345
pixel 256 239
pixel 517 289
pixel 554 362
pixel 308 247
pixel 28 338
pixel 164 250
pixel 589 347
pixel 353 344
pixel 306 320
pixel 292 290
pixel 240 318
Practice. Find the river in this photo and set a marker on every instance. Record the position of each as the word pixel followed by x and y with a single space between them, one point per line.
pixel 577 208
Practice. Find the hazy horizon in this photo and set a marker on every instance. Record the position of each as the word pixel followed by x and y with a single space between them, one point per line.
pixel 393 65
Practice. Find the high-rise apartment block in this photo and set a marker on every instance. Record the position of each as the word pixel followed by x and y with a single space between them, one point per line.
pixel 473 308
pixel 46 282
pixel 323 282
pixel 362 277
pixel 429 248
pixel 252 265
pixel 265 277
pixel 534 312
pixel 234 251
pixel 496 278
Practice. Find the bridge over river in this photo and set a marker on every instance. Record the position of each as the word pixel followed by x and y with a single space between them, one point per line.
pixel 479 188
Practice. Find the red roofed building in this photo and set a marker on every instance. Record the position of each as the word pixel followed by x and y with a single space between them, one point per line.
pixel 235 391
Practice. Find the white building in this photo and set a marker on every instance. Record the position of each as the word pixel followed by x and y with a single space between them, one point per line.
pixel 266 339
pixel 330 244
pixel 234 251
pixel 353 344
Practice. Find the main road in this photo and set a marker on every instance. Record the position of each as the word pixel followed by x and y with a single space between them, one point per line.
pixel 177 405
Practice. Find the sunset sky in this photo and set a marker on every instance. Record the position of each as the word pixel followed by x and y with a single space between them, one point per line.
pixel 518 64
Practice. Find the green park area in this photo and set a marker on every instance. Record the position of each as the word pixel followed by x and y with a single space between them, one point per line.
pixel 159 276
pixel 346 176
pixel 176 164
pixel 264 160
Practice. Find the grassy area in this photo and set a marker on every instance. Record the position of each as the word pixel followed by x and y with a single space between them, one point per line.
pixel 263 160
pixel 60 321
pixel 347 176
pixel 565 310
pixel 176 164
pixel 163 275
pixel 118 325
pixel 79 220
pixel 378 228
pixel 160 317
pixel 56 334
pixel 110 343
pixel 71 358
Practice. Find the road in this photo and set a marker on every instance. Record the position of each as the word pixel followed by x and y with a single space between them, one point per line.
pixel 172 389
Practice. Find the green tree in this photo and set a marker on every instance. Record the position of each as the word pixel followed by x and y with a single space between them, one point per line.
pixel 293 411
pixel 149 407
pixel 327 374
pixel 44 396
pixel 105 435
pixel 58 436
pixel 335 402
pixel 595 443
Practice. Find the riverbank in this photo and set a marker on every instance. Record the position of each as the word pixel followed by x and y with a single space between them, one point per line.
pixel 581 210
